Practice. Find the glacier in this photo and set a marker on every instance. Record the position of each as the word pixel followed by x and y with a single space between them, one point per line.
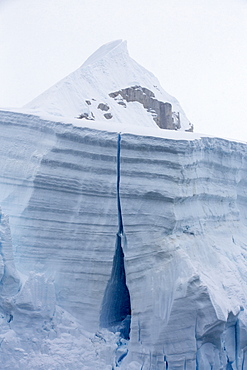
pixel 122 245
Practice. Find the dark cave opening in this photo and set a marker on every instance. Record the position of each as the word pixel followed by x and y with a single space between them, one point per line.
pixel 116 308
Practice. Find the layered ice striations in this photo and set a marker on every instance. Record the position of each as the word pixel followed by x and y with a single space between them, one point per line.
pixel 183 203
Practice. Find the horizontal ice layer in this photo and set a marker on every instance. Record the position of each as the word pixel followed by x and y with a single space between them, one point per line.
pixel 184 214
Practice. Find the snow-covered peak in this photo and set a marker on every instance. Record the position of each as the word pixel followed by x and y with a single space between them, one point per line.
pixel 107 50
pixel 111 87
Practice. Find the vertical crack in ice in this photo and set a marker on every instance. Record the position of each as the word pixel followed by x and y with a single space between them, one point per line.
pixel 116 310
pixel 120 219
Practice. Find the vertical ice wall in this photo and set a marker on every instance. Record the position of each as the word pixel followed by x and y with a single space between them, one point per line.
pixel 183 204
pixel 183 209
pixel 66 225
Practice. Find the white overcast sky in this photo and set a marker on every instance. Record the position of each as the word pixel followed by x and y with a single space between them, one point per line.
pixel 196 48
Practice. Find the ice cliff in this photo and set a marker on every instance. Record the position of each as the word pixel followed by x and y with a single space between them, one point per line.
pixel 124 246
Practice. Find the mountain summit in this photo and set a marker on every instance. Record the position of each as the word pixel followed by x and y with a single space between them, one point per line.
pixel 111 86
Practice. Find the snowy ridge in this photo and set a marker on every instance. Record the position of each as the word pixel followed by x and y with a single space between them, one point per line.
pixel 183 206
pixel 108 70
pixel 103 51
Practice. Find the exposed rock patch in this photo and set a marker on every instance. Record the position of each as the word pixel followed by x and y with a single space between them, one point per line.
pixel 103 107
pixel 161 111
pixel 122 103
pixel 191 129
pixel 87 116
pixel 108 115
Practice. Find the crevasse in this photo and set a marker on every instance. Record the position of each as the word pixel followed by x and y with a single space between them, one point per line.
pixel 116 308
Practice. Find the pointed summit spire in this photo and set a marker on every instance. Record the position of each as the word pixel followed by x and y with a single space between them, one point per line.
pixel 96 92
pixel 109 48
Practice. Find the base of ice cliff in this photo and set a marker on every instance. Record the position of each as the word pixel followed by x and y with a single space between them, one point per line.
pixel 180 255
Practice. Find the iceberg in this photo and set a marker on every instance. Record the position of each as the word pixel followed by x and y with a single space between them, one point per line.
pixel 122 244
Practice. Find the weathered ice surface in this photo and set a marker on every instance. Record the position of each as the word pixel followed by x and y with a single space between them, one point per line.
pixel 183 258
pixel 187 222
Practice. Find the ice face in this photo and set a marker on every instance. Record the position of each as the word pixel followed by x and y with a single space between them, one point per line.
pixel 182 256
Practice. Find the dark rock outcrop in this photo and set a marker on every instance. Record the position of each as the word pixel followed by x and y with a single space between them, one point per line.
pixel 161 111
pixel 108 115
pixel 103 107
pixel 87 116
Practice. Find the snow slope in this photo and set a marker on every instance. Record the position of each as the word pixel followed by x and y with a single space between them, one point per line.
pixel 108 70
